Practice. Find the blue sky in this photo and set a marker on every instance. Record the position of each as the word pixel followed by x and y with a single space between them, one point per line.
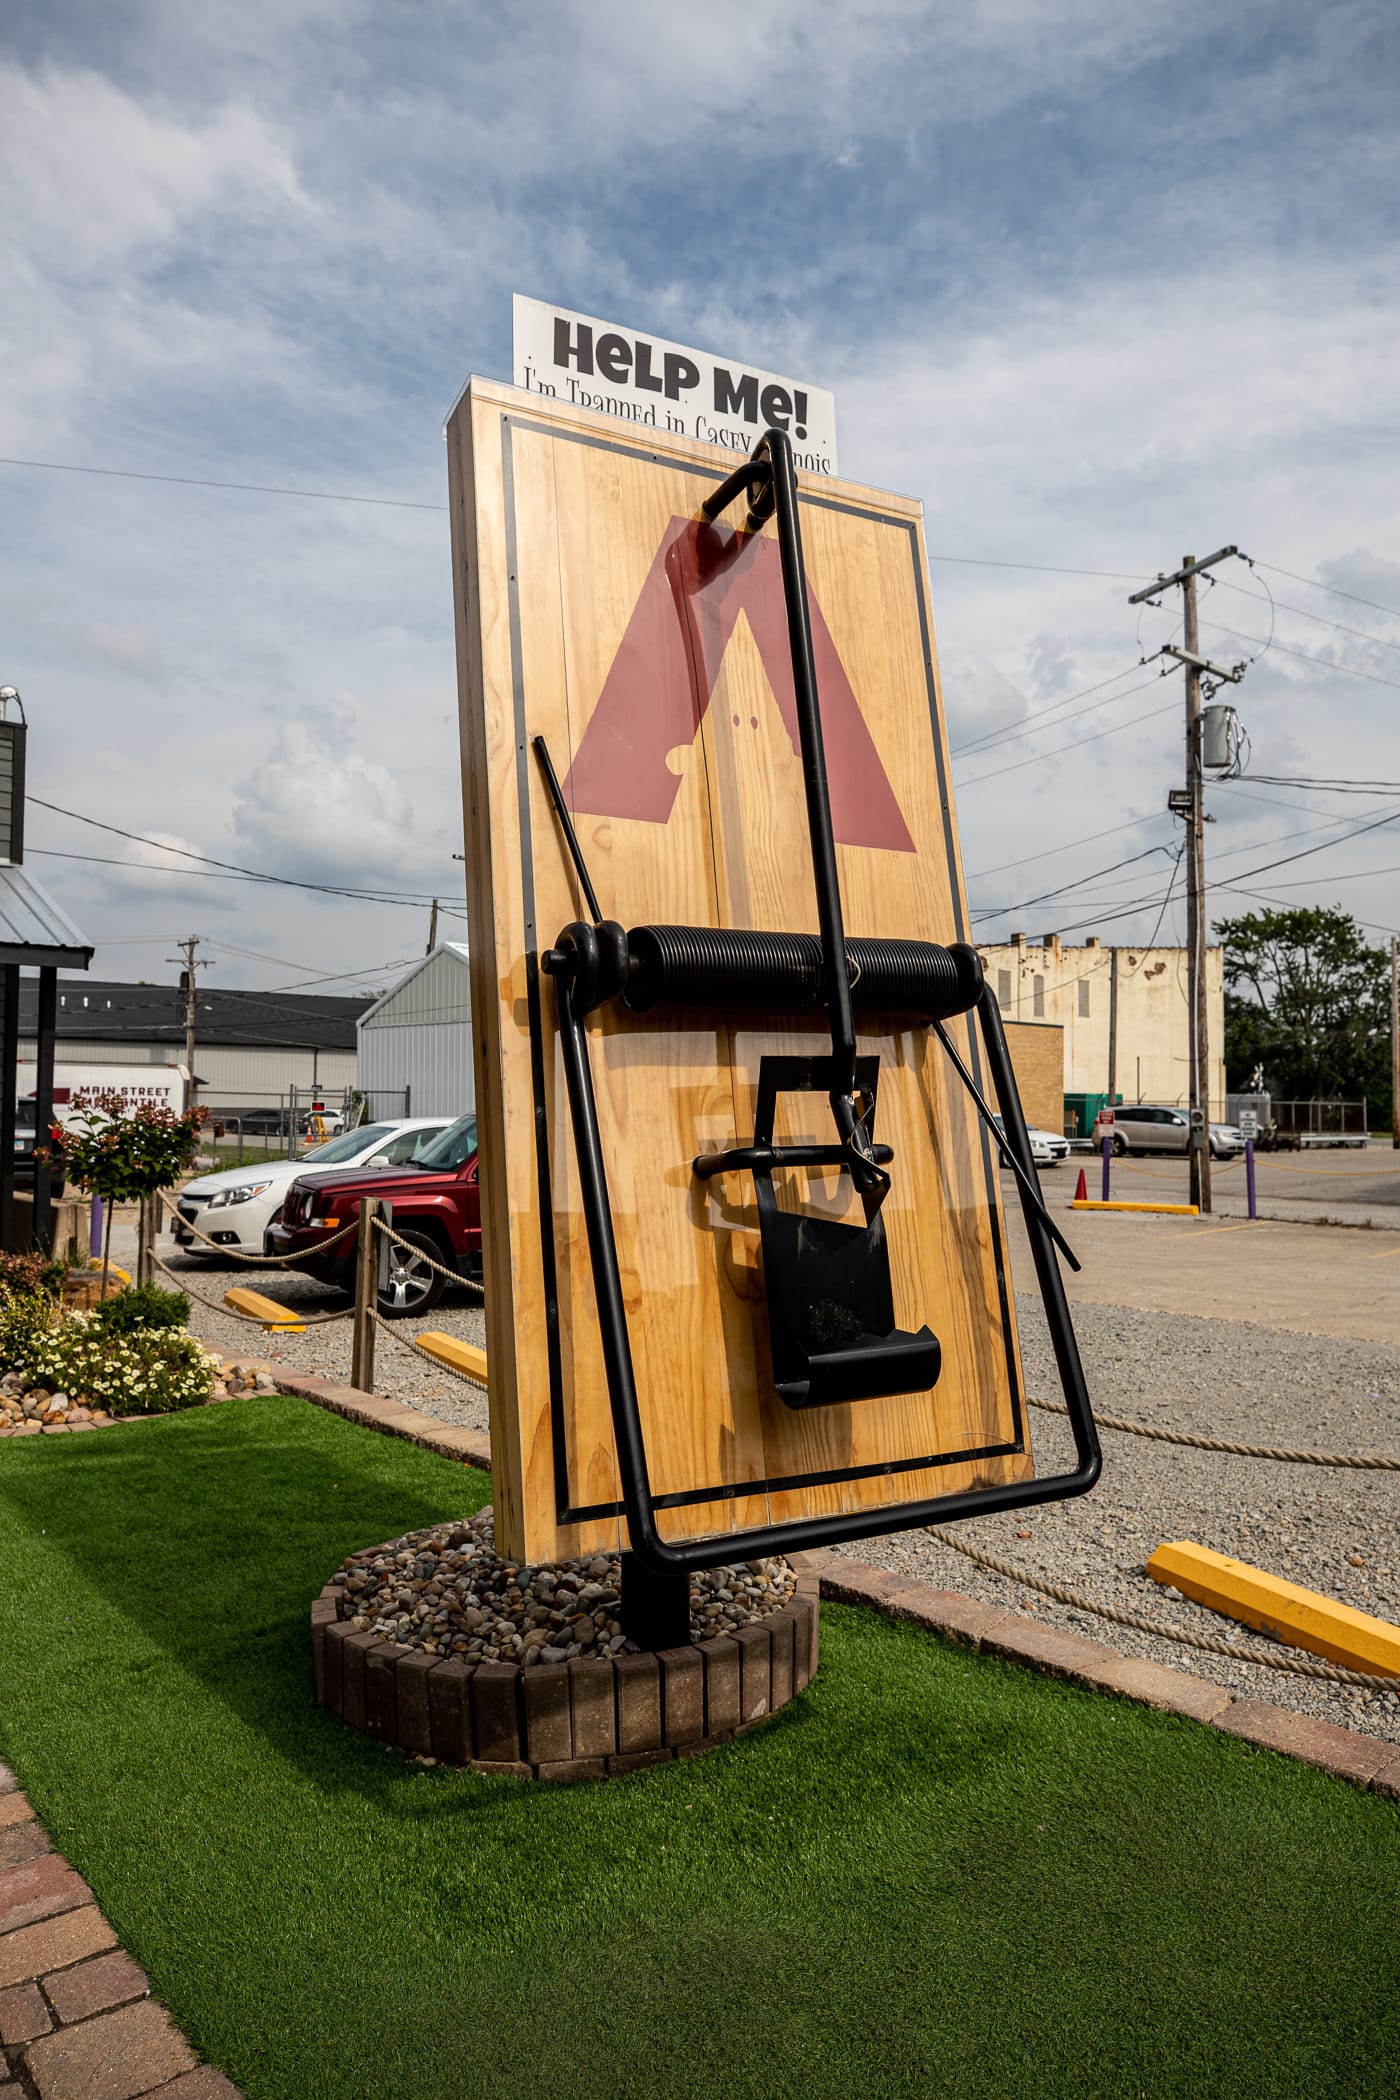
pixel 1099 289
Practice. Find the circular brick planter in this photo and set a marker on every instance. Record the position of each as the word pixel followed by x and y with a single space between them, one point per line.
pixel 586 1719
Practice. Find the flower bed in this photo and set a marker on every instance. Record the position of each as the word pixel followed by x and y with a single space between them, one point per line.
pixel 63 1369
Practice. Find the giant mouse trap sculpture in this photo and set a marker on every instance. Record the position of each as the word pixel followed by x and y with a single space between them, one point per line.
pixel 747 1283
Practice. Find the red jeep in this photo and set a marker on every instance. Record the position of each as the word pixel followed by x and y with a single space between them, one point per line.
pixel 437 1209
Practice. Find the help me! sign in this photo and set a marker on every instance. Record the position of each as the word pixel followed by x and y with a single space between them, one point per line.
pixel 645 380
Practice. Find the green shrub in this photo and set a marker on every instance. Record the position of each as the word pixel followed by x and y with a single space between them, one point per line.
pixel 150 1371
pixel 143 1308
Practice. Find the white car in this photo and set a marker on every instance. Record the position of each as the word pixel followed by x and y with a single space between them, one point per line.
pixel 1047 1150
pixel 235 1208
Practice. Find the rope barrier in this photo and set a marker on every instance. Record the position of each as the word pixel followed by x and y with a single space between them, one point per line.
pixel 274 1261
pixel 1209 1643
pixel 231 1312
pixel 421 1358
pixel 410 1247
pixel 1363 1463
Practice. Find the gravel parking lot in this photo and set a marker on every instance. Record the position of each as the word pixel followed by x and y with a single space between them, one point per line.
pixel 324 1351
pixel 1334 1531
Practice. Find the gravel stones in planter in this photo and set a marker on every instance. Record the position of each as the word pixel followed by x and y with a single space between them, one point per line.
pixel 446 1590
pixel 434 1643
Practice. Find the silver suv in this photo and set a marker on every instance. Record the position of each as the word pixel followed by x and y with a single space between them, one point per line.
pixel 1139 1129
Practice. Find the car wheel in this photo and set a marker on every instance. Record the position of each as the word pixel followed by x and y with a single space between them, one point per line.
pixel 1120 1148
pixel 413 1287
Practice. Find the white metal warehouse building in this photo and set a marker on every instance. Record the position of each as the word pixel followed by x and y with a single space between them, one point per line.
pixel 419 1037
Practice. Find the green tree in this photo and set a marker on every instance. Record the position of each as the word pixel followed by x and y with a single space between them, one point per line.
pixel 126 1155
pixel 1307 997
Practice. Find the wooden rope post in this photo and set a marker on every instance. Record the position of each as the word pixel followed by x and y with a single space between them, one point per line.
pixel 366 1296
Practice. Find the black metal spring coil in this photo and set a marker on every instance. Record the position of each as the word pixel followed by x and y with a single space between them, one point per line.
pixel 782 972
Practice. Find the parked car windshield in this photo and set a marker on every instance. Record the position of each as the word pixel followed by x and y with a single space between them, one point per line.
pixel 453 1149
pixel 350 1144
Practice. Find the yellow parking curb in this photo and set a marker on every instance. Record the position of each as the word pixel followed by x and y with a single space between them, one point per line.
pixel 271 1314
pixel 1175 1210
pixel 1285 1610
pixel 461 1356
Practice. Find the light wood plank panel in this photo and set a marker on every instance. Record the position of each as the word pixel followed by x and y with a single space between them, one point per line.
pixel 729 847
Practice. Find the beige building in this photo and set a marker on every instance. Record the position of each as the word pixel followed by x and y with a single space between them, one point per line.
pixel 1122 1013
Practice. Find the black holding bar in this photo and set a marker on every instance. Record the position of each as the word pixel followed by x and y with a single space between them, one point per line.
pixel 653 1551
pixel 1029 1191
pixel 774 450
pixel 566 825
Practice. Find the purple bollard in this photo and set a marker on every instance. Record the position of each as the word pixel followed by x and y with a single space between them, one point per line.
pixel 1249 1176
pixel 1107 1154
pixel 95 1231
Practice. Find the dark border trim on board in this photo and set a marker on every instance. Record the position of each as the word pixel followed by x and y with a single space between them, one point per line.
pixel 566 1511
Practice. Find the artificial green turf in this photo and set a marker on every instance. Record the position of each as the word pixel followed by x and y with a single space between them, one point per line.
pixel 936 1874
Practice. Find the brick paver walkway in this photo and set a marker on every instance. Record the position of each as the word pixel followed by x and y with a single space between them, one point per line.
pixel 77 2021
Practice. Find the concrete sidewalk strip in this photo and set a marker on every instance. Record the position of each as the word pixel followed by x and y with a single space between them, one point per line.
pixel 77 2021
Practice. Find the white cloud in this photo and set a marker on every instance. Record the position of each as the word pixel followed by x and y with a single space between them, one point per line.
pixel 311 808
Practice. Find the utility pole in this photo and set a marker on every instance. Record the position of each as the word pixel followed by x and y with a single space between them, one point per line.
pixel 1199 1192
pixel 1190 804
pixel 1395 1042
pixel 186 959
pixel 432 928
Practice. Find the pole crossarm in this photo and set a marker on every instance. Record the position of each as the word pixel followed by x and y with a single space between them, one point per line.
pixel 1203 663
pixel 1190 568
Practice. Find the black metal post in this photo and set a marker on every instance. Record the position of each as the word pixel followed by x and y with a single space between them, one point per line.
pixel 655 1610
pixel 45 1031
pixel 9 1080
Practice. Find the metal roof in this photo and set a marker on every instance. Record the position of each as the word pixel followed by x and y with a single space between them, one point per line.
pixel 455 950
pixel 98 1010
pixel 35 930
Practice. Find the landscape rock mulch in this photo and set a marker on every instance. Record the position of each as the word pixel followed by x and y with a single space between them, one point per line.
pixel 39 1412
pixel 447 1591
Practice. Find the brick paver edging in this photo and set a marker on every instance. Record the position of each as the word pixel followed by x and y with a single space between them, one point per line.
pixel 1341 1751
pixel 587 1719
pixel 468 1447
pixel 77 2021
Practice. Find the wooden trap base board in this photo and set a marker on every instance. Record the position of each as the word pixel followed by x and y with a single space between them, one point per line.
pixel 595 609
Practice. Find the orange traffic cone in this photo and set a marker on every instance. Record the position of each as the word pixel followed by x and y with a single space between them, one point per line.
pixel 1081 1193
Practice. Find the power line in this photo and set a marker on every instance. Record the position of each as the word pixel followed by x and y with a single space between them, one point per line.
pixel 1091 838
pixel 1319 663
pixel 200 481
pixel 1324 787
pixel 1043 757
pixel 141 867
pixel 999 911
pixel 1008 732
pixel 380 896
pixel 1302 612
pixel 1351 596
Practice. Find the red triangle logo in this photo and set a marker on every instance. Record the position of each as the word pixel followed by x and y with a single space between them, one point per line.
pixel 662 678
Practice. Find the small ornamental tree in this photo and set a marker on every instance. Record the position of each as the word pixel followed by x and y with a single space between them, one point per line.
pixel 126 1155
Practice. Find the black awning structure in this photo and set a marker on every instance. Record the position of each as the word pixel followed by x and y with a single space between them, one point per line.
pixel 35 933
